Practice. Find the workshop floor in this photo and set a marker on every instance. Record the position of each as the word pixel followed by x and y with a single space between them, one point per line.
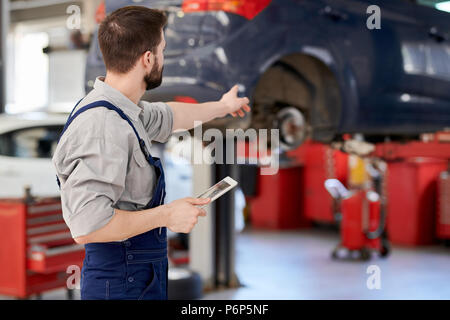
pixel 297 265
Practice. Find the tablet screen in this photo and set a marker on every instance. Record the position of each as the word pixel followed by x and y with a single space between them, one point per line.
pixel 215 190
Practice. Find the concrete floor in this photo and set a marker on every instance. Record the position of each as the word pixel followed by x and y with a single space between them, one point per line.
pixel 297 265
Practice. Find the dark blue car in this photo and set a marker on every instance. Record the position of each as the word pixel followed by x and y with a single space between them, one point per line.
pixel 312 67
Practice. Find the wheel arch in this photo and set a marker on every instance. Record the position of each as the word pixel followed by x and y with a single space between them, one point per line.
pixel 317 70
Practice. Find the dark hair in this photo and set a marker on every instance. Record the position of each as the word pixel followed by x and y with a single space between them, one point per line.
pixel 128 33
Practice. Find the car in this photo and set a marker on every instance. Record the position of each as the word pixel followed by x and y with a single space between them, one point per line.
pixel 27 143
pixel 312 68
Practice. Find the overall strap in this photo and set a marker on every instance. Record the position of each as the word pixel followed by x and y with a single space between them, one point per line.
pixel 74 108
pixel 101 103
pixel 70 116
pixel 110 106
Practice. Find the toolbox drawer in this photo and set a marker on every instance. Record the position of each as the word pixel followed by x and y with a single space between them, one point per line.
pixel 42 259
pixel 49 242
pixel 36 247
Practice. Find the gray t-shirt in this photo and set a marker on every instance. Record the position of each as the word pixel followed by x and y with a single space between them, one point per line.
pixel 99 161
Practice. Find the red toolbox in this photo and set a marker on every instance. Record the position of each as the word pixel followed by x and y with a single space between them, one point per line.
pixel 320 163
pixel 36 247
pixel 278 204
pixel 443 210
pixel 411 202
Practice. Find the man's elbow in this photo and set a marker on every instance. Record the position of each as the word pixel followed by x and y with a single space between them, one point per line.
pixel 82 240
pixel 93 234
pixel 97 236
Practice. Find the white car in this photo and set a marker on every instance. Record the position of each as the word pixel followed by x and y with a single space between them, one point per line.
pixel 27 143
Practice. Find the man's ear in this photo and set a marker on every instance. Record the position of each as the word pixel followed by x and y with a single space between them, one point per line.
pixel 148 59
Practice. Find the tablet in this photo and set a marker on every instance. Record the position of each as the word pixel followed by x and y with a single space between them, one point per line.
pixel 219 189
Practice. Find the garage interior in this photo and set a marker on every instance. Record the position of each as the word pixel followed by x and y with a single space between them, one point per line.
pixel 351 218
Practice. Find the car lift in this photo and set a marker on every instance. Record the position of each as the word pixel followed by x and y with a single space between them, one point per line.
pixel 212 242
pixel 431 146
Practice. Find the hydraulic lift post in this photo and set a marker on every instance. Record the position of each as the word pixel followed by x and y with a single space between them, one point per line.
pixel 212 242
pixel 224 226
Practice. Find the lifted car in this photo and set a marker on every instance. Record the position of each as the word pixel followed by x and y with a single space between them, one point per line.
pixel 312 68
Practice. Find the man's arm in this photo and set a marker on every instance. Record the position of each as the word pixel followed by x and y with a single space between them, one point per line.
pixel 186 114
pixel 126 224
pixel 93 179
pixel 179 216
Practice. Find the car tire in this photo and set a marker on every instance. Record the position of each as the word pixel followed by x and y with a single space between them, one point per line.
pixel 184 284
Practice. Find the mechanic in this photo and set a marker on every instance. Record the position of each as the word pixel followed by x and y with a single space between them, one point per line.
pixel 112 189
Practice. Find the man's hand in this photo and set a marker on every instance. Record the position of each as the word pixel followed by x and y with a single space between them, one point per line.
pixel 235 105
pixel 185 115
pixel 183 214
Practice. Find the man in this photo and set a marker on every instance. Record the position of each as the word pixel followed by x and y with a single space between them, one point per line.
pixel 112 189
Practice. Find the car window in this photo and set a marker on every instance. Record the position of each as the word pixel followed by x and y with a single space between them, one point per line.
pixel 441 5
pixel 36 142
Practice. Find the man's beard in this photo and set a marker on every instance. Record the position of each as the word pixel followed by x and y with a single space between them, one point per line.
pixel 154 78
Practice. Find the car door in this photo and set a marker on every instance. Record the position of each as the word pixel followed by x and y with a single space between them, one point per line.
pixel 374 62
pixel 25 160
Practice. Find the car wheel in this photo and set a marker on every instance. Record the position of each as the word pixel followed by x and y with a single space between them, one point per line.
pixel 304 84
pixel 291 124
pixel 184 284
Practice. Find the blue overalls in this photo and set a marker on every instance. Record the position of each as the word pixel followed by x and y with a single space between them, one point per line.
pixel 135 269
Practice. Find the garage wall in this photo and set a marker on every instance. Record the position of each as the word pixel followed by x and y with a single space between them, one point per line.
pixel 52 81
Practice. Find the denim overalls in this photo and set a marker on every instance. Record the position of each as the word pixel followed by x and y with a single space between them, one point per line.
pixel 135 269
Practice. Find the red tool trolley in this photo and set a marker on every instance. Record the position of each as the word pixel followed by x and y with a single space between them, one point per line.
pixel 362 226
pixel 412 187
pixel 362 219
pixel 277 200
pixel 36 247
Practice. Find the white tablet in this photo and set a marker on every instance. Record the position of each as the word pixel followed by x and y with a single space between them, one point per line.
pixel 219 189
